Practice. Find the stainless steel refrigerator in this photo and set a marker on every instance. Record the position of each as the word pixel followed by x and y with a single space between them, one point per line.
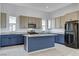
pixel 72 34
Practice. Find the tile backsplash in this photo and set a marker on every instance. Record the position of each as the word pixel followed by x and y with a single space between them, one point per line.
pixel 24 31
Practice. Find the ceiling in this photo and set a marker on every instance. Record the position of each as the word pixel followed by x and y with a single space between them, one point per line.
pixel 46 7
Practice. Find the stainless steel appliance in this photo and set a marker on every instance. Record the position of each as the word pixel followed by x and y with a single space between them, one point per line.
pixel 31 25
pixel 72 34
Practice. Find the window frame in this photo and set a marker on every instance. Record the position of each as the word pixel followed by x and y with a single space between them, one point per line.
pixel 43 25
pixel 12 24
pixel 49 24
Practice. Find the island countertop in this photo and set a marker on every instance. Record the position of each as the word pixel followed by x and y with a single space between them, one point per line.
pixel 38 35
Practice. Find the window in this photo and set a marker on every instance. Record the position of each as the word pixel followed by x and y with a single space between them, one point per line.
pixel 12 23
pixel 49 24
pixel 53 23
pixel 43 25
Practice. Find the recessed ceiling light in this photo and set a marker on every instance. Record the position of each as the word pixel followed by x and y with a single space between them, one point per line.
pixel 46 6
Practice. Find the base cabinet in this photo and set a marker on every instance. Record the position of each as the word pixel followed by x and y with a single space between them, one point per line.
pixel 0 41
pixel 59 39
pixel 13 39
pixel 38 43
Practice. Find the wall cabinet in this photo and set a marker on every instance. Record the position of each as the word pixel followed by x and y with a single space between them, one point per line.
pixel 32 20
pixel 2 20
pixel 25 20
pixel 39 23
pixel 61 20
pixel 72 16
pixel 57 22
pixel 78 14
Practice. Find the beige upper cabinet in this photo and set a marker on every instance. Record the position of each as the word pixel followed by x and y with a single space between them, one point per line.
pixel 32 20
pixel 23 22
pixel 0 20
pixel 71 16
pixel 3 20
pixel 68 17
pixel 38 23
pixel 62 21
pixel 78 15
pixel 57 22
pixel 74 16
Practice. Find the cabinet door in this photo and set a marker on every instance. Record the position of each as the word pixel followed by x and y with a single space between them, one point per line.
pixel 57 22
pixel 23 22
pixel 61 38
pixel 16 39
pixel 71 16
pixel 78 15
pixel 0 40
pixel 5 40
pixel 20 39
pixel 13 39
pixel 74 16
pixel 33 20
pixel 38 23
pixel 2 20
pixel 30 21
pixel 68 17
pixel 56 39
pixel 62 21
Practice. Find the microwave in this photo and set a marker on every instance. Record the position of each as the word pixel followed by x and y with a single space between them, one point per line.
pixel 31 25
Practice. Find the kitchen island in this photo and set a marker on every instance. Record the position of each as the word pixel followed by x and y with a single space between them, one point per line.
pixel 37 42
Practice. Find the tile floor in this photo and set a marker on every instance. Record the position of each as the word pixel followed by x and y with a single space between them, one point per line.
pixel 58 50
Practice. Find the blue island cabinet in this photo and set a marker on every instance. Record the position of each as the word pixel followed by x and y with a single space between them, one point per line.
pixel 0 41
pixel 12 39
pixel 59 39
pixel 37 43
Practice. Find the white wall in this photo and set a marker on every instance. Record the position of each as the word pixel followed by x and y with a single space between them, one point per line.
pixel 60 12
pixel 13 10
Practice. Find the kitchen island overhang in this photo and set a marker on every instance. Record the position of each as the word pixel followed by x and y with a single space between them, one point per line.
pixel 38 42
